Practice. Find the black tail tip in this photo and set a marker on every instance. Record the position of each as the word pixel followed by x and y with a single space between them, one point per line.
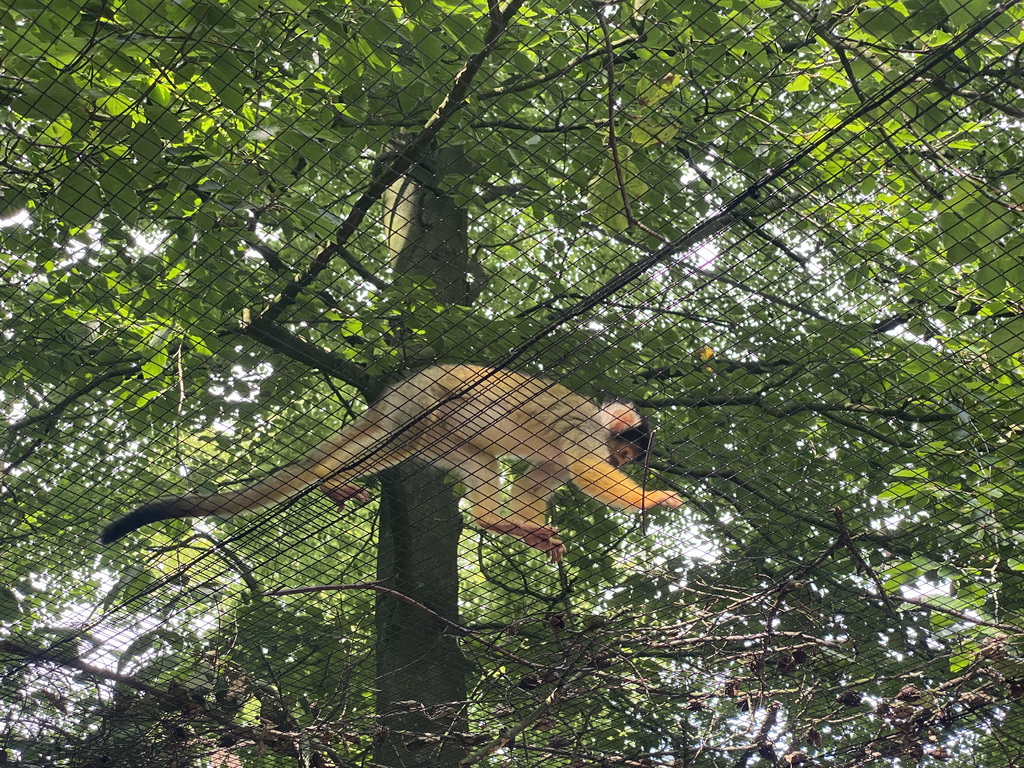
pixel 144 515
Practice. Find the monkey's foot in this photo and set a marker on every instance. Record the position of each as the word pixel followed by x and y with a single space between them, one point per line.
pixel 542 537
pixel 342 493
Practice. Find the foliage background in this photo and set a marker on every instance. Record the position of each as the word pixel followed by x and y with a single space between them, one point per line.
pixel 792 230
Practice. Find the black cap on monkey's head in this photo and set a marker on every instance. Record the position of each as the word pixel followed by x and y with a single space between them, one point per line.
pixel 631 436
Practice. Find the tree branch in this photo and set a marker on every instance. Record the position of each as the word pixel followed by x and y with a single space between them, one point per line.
pixel 400 162
pixel 54 410
pixel 526 85
pixel 300 350
pixel 792 409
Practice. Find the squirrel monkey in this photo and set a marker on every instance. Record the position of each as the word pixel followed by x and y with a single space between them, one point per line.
pixel 461 418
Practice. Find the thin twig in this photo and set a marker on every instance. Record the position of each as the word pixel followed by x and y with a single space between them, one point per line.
pixel 377 586
pixel 510 733
pixel 862 564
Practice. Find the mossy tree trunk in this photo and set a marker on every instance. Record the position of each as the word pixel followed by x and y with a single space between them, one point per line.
pixel 421 671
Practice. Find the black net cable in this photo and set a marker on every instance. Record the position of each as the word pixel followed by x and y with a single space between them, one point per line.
pixel 742 205
pixel 756 197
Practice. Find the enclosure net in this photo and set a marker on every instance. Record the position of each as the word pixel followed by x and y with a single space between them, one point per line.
pixel 242 240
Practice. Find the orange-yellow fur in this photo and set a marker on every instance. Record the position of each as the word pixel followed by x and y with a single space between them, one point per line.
pixel 462 418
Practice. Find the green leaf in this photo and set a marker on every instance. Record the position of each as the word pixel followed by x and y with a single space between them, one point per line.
pixel 116 104
pixel 12 200
pixel 78 199
pixel 800 83
pixel 650 93
pixel 134 579
pixel 146 642
pixel 884 22
pixel 961 659
pixel 160 94
pixel 44 100
pixel 142 400
pixel 226 74
pixel 963 13
pixel 647 133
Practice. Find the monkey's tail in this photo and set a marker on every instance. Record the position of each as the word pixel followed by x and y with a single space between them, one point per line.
pixel 276 488
pixel 341 459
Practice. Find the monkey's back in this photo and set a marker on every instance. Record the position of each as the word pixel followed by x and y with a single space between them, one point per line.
pixel 493 410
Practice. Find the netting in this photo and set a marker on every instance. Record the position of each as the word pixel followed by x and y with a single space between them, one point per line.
pixel 787 232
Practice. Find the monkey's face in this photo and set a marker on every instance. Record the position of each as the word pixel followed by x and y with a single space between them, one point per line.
pixel 630 438
pixel 632 444
pixel 621 452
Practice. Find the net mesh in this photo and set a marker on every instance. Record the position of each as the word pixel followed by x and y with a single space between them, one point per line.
pixel 786 231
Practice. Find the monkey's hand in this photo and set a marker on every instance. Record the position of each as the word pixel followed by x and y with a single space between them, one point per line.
pixel 340 494
pixel 669 499
pixel 542 537
pixel 546 540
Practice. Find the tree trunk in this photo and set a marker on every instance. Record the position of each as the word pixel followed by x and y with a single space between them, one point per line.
pixel 421 671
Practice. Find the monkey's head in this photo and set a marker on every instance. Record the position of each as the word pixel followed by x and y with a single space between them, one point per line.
pixel 630 435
